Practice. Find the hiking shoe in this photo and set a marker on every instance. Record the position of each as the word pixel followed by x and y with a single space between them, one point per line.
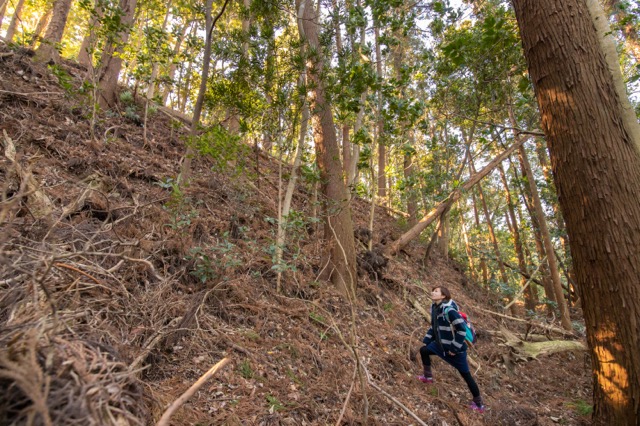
pixel 425 379
pixel 477 408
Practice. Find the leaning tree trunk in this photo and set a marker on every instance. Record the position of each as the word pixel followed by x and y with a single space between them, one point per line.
pixel 338 225
pixel 596 167
pixel 434 214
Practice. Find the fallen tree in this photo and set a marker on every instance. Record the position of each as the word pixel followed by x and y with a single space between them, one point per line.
pixel 412 233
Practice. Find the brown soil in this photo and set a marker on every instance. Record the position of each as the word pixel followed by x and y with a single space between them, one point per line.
pixel 104 322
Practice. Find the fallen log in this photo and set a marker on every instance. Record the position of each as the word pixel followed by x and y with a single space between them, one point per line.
pixel 532 350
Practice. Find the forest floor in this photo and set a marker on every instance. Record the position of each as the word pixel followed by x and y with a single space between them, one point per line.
pixel 115 302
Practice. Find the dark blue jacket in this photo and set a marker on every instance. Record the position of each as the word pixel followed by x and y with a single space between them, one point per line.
pixel 449 332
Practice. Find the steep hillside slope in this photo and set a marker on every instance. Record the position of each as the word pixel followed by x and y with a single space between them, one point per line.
pixel 113 304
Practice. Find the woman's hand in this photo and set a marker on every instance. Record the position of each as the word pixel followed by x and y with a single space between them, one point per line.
pixel 451 353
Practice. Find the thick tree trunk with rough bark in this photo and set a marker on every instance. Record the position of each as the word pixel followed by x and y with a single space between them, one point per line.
pixel 596 166
pixel 338 225
pixel 48 47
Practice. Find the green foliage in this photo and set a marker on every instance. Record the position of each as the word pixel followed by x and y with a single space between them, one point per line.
pixel 177 206
pixel 223 148
pixel 245 370
pixel 64 79
pixel 317 318
pixel 293 377
pixel 274 403
pixel 581 407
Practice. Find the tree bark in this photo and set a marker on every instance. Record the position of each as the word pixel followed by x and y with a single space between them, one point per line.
pixel 629 32
pixel 492 234
pixel 608 48
pixel 517 241
pixel 155 70
pixel 546 240
pixel 43 22
pixel 48 50
pixel 596 167
pixel 409 173
pixel 197 110
pixel 173 66
pixel 352 167
pixel 3 10
pixel 467 248
pixel 382 154
pixel 111 61
pixel 13 24
pixel 397 245
pixel 338 225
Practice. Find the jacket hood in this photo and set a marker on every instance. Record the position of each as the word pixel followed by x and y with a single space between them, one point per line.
pixel 449 304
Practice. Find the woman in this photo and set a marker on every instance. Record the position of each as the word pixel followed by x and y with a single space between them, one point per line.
pixel 447 342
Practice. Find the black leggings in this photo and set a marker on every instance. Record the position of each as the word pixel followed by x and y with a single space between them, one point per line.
pixel 425 354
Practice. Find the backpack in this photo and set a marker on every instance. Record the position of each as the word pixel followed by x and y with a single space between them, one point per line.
pixel 471 338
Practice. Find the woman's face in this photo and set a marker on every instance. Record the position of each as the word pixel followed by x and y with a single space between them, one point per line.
pixel 436 295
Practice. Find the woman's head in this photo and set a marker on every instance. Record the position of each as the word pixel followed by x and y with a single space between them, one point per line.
pixel 439 294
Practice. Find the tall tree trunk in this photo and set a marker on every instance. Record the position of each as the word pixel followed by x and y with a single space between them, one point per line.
pixel 87 48
pixel 352 169
pixel 197 109
pixel 492 234
pixel 543 159
pixel 484 270
pixel 269 123
pixel 15 20
pixel 40 27
pixel 3 10
pixel 338 226
pixel 409 173
pixel 467 248
pixel 151 90
pixel 48 50
pixel 546 240
pixel 596 165
pixel 168 87
pixel 382 154
pixel 111 61
pixel 286 203
pixel 607 46
pixel 617 10
pixel 537 238
pixel 517 242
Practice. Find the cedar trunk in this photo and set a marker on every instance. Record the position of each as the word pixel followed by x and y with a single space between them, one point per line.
pixel 338 225
pixel 597 172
